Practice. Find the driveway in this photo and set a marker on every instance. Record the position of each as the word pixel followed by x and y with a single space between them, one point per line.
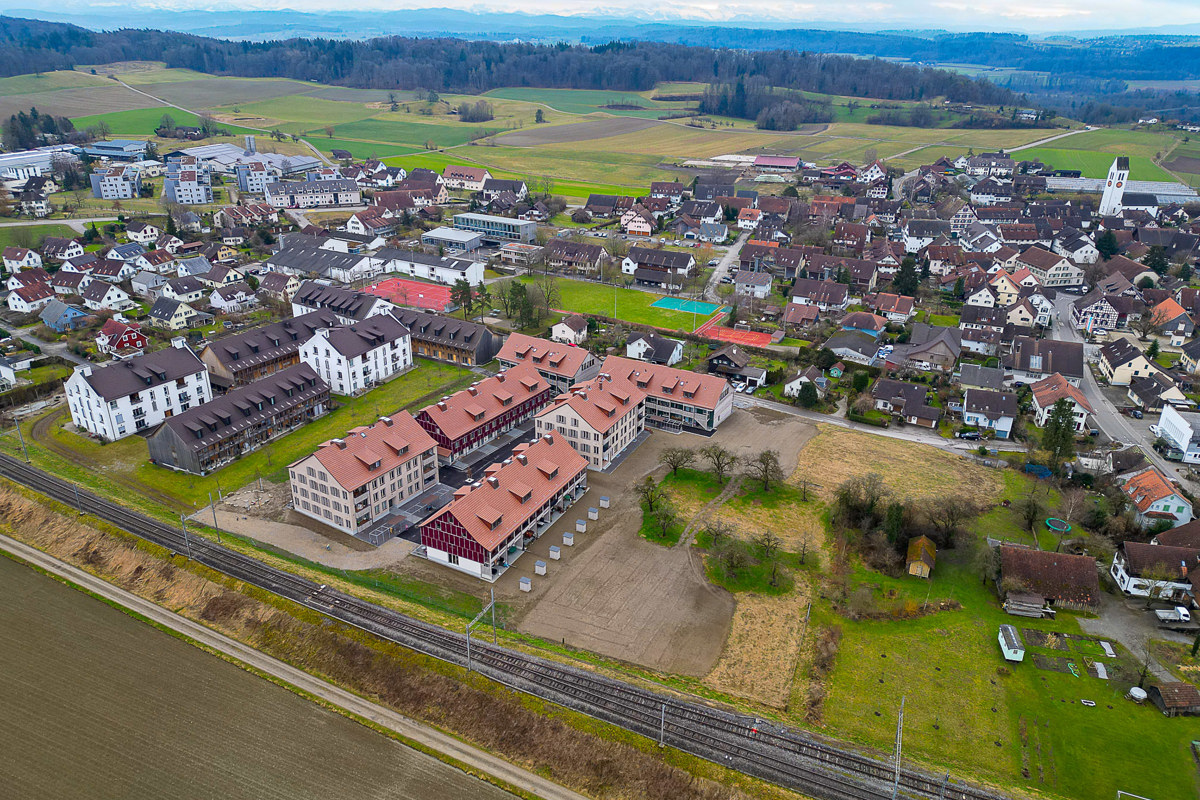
pixel 59 349
pixel 1126 620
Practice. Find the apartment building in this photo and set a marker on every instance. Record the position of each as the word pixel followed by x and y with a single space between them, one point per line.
pixel 513 505
pixel 313 193
pixel 561 365
pixel 125 397
pixel 117 183
pixel 188 181
pixel 496 229
pixel 251 355
pixel 209 436
pixel 348 305
pixel 599 418
pixel 253 178
pixel 473 417
pixel 355 358
pixel 675 399
pixel 350 483
pixel 448 339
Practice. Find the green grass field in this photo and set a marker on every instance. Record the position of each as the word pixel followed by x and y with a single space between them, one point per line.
pixel 631 305
pixel 586 101
pixel 32 235
pixel 965 711
pixel 142 122
pixel 410 133
pixel 50 81
pixel 1095 164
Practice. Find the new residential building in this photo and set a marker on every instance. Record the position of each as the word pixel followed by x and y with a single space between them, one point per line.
pixel 207 437
pixel 473 417
pixel 116 183
pixel 350 483
pixel 117 400
pixel 561 365
pixel 599 418
pixel 675 399
pixel 251 355
pixel 313 193
pixel 490 523
pixel 496 229
pixel 357 357
pixel 348 305
pixel 447 339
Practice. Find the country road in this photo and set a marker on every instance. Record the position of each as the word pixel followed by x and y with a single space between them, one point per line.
pixel 296 679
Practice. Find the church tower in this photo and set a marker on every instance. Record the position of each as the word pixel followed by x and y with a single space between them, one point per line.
pixel 1114 188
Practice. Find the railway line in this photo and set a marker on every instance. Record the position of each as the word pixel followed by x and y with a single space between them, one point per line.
pixel 784 756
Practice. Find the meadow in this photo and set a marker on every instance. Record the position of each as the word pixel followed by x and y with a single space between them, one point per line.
pixel 1095 164
pixel 631 305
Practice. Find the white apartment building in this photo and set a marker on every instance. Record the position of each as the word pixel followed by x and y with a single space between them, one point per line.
pixel 125 397
pixel 188 187
pixel 117 183
pixel 599 418
pixel 313 193
pixel 355 358
pixel 254 177
pixel 443 269
pixel 350 483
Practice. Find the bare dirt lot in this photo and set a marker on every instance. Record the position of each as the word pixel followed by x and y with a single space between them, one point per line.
pixel 76 102
pixel 576 131
pixel 616 594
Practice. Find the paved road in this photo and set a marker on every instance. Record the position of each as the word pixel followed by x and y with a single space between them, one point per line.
pixel 1108 419
pixel 728 260
pixel 60 349
pixel 291 676
pixel 78 224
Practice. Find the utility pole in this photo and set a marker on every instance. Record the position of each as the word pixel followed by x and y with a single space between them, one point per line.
pixel 78 504
pixel 186 543
pixel 662 726
pixel 214 513
pixel 25 449
pixel 899 744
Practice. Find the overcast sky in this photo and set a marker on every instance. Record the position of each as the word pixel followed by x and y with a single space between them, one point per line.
pixel 975 15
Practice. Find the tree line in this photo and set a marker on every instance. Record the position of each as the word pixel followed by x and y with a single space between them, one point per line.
pixel 24 131
pixel 454 65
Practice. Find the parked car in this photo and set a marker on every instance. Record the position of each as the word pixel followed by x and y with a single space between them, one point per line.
pixel 969 435
pixel 1155 431
pixel 712 262
pixel 1136 414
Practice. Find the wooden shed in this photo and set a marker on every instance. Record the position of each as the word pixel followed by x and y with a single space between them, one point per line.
pixel 1010 643
pixel 922 554
pixel 1176 699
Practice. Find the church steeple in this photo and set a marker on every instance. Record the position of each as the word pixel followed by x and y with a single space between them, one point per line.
pixel 1114 187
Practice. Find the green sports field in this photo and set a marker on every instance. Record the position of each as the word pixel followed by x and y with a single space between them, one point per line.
pixel 631 305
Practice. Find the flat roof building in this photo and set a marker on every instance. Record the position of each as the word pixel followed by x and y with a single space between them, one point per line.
pixel 496 229
pixel 453 239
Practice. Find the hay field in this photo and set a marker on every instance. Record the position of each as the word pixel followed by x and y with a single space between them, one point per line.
pixel 759 659
pixel 110 97
pixel 682 141
pixel 50 82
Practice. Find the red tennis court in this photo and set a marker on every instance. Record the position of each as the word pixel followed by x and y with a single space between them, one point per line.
pixel 749 338
pixel 415 294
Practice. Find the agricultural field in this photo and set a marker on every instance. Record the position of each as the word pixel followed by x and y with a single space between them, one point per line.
pixel 50 82
pixel 584 101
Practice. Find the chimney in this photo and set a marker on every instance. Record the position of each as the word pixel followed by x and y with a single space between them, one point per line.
pixel 85 370
pixel 523 459
pixel 386 421
pixel 472 390
pixel 179 342
pixel 549 437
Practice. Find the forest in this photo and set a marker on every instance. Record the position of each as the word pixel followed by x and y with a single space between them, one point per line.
pixel 453 65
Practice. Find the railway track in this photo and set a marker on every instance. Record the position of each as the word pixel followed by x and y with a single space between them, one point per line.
pixel 774 753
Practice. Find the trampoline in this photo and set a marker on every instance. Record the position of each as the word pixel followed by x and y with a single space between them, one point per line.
pixel 1058 525
pixel 689 306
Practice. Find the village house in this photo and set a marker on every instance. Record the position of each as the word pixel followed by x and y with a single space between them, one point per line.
pixel 734 363
pixel 1154 497
pixel 19 258
pixel 565 254
pixel 29 298
pixel 908 401
pixel 1032 360
pixel 1155 571
pixel 1055 579
pixel 120 339
pixel 175 315
pixel 60 317
pixel 1049 391
pixel 1122 363
pixel 351 483
pixel 991 411
pixel 570 330
pixel 654 348
pixel 752 284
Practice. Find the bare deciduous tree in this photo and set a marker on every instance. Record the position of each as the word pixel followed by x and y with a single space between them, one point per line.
pixel 677 458
pixel 765 467
pixel 721 461
pixel 649 493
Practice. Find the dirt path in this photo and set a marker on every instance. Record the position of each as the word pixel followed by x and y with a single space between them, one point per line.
pixel 41 434
pixel 689 533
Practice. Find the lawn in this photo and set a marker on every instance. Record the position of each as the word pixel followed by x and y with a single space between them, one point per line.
pixel 128 456
pixel 631 305
pixel 970 712
pixel 32 235
pixel 362 150
pixel 311 111
pixel 410 133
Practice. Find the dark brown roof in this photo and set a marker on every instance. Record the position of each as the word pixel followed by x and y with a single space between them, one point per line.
pixel 1186 535
pixel 363 337
pixel 1142 558
pixel 270 342
pixel 143 372
pixel 1178 695
pixel 1057 576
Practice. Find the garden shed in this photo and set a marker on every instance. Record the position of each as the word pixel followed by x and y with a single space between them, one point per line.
pixel 1176 699
pixel 922 554
pixel 1010 644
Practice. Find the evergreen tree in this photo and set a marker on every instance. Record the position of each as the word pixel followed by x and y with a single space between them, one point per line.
pixel 1153 350
pixel 1157 259
pixel 808 394
pixel 463 295
pixel 1107 245
pixel 907 280
pixel 960 286
pixel 1058 436
pixel 1185 272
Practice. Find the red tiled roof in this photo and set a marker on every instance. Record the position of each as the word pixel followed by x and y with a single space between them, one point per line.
pixel 349 463
pixel 1049 391
pixel 464 411
pixel 703 391
pixel 601 402
pixel 559 359
pixel 504 501
pixel 1148 487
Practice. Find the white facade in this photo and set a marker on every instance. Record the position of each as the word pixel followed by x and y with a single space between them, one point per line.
pixel 18 258
pixel 123 416
pixel 1114 187
pixel 1165 590
pixel 599 447
pixel 1183 431
pixel 353 374
pixel 431 267
pixel 119 183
